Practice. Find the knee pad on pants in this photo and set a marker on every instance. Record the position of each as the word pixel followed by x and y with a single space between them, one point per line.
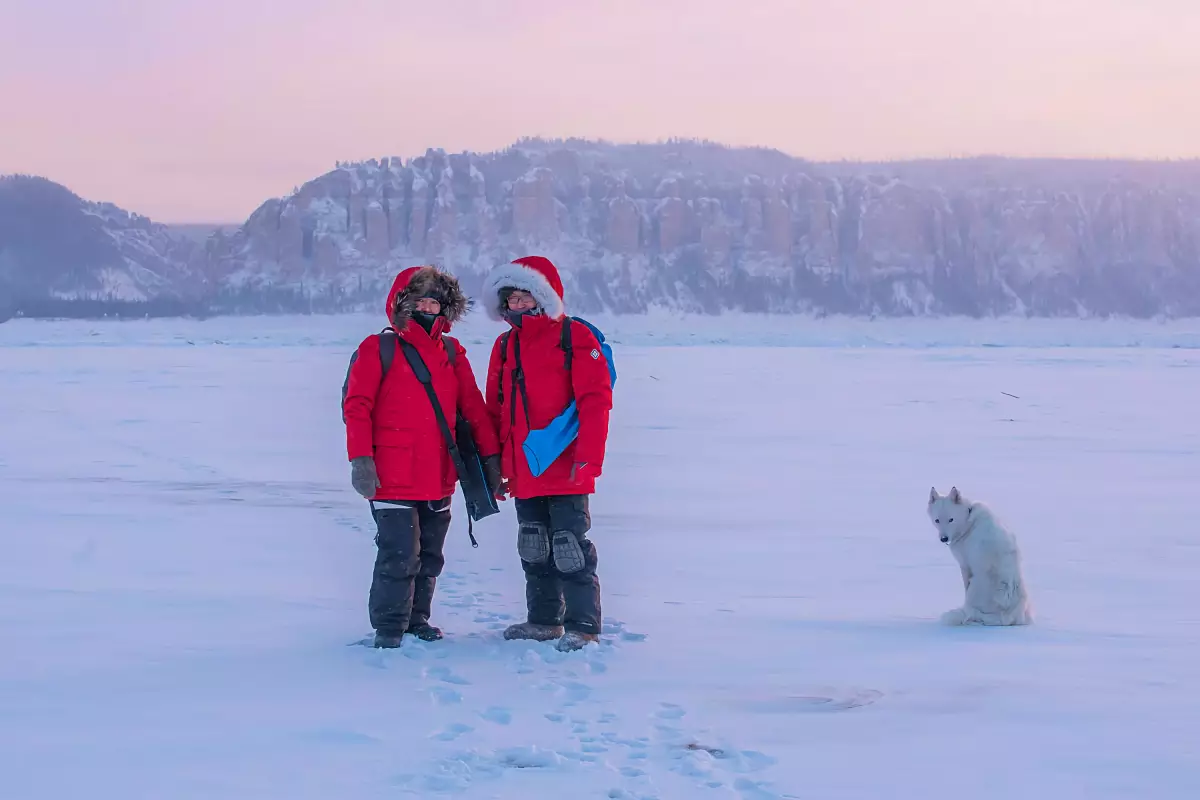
pixel 568 552
pixel 533 542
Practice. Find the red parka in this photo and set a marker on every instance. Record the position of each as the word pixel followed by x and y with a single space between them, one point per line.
pixel 549 386
pixel 394 420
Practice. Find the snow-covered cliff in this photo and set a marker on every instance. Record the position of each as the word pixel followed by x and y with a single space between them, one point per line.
pixel 700 227
pixel 55 246
pixel 688 226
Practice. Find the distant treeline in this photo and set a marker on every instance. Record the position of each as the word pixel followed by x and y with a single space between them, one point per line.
pixel 226 304
pixel 55 308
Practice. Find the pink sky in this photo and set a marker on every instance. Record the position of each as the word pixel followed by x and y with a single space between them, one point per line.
pixel 198 110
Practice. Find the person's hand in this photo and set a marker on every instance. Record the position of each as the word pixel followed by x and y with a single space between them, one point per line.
pixel 363 476
pixel 495 481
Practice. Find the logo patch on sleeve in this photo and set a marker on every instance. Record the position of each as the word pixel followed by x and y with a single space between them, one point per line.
pixel 595 354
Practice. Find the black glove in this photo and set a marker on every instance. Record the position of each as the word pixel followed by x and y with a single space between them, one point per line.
pixel 363 476
pixel 495 481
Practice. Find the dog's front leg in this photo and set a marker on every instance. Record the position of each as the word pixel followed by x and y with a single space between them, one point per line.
pixel 966 576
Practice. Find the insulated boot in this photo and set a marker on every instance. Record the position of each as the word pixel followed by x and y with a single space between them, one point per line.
pixel 386 640
pixel 575 640
pixel 529 630
pixel 425 632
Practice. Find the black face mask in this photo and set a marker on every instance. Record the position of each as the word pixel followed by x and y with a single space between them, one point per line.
pixel 425 320
pixel 517 317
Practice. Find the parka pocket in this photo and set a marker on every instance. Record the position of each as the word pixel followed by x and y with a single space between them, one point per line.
pixel 394 456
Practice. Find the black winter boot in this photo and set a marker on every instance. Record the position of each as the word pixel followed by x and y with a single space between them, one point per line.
pixel 533 632
pixel 425 632
pixel 387 641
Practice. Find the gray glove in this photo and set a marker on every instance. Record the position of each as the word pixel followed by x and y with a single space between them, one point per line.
pixel 363 476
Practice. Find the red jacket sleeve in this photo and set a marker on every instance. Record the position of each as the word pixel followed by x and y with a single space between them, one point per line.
pixel 361 389
pixel 471 402
pixel 593 395
pixel 492 390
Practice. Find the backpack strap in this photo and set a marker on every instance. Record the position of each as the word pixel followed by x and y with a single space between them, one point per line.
pixel 503 359
pixel 451 345
pixel 387 349
pixel 517 381
pixel 564 341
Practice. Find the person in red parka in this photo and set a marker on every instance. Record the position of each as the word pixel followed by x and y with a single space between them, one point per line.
pixel 398 454
pixel 530 382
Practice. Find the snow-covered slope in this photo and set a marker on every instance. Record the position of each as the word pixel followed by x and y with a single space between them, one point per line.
pixel 56 246
pixel 700 227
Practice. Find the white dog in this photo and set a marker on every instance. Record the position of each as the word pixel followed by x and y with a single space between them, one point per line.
pixel 989 559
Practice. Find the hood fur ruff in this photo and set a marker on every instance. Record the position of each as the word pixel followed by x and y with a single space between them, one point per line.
pixel 427 281
pixel 519 276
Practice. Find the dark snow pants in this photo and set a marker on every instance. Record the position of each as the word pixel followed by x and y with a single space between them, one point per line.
pixel 561 586
pixel 409 558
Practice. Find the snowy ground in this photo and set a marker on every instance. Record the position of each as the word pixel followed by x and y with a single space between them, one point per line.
pixel 183 566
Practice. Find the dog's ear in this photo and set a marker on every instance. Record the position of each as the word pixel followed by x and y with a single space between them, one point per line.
pixel 933 495
pixel 955 495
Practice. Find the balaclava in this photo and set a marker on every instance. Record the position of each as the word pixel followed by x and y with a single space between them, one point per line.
pixel 515 317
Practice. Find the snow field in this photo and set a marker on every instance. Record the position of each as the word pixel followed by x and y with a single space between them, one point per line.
pixel 185 569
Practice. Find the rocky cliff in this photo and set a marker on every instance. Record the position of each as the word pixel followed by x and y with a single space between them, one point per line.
pixel 690 226
pixel 57 249
pixel 700 227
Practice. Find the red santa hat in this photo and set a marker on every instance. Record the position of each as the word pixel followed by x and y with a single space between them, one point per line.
pixel 534 274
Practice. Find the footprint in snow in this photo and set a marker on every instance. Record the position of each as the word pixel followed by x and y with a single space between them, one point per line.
pixel 617 629
pixel 497 715
pixel 446 675
pixel 827 700
pixel 670 711
pixel 754 790
pixel 459 772
pixel 452 732
pixel 445 696
pixel 575 692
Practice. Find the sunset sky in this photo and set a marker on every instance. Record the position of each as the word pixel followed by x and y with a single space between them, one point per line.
pixel 198 110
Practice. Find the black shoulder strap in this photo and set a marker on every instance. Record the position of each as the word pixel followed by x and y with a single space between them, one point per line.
pixel 451 345
pixel 422 372
pixel 503 359
pixel 565 342
pixel 517 382
pixel 387 349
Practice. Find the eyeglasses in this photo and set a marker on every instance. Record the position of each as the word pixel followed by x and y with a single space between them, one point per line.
pixel 519 298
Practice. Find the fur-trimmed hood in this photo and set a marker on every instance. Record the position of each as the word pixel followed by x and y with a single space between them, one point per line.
pixel 425 281
pixel 534 274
